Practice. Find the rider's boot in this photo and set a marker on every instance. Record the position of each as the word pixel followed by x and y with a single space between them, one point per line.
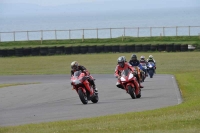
pixel 94 86
pixel 141 85
pixel 137 87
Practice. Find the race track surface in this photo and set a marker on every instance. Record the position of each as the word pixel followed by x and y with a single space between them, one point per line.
pixel 53 99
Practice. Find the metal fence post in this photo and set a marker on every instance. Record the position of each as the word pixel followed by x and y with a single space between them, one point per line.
pixel 14 35
pixel 83 36
pixel 69 34
pixel 176 30
pixel 97 34
pixel 150 31
pixel 163 31
pixel 110 33
pixel 55 35
pixel 124 32
pixel 42 34
pixel 189 30
pixel 138 32
pixel 27 36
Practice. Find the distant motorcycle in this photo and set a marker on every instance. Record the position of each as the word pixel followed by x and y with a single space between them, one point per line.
pixel 144 69
pixel 151 69
pixel 130 84
pixel 79 81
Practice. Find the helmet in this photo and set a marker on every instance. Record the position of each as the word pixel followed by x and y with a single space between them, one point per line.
pixel 121 61
pixel 133 57
pixel 142 57
pixel 150 57
pixel 74 65
pixel 124 58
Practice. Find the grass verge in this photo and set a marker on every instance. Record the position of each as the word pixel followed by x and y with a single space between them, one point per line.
pixel 195 40
pixel 181 118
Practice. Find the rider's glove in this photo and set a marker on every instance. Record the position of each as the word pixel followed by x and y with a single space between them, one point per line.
pixel 119 77
pixel 134 72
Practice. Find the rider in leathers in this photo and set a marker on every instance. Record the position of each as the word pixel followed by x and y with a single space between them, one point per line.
pixel 122 65
pixel 134 62
pixel 76 67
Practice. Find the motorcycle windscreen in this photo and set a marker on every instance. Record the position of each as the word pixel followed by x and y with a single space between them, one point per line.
pixel 77 73
pixel 125 72
pixel 143 64
pixel 151 63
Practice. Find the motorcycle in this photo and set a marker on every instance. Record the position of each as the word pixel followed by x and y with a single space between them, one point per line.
pixel 79 81
pixel 151 69
pixel 144 69
pixel 130 84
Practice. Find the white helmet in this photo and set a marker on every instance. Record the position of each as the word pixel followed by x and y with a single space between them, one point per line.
pixel 74 65
pixel 150 56
pixel 142 57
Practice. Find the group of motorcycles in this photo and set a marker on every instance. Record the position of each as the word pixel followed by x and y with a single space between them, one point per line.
pixel 128 82
pixel 148 69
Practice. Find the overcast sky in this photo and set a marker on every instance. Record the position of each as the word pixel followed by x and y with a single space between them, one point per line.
pixel 50 2
pixel 18 7
pixel 61 2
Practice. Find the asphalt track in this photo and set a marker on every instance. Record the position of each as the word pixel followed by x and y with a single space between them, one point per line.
pixel 53 99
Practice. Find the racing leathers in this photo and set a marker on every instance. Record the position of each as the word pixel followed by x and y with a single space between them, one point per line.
pixel 90 80
pixel 118 71
pixel 136 63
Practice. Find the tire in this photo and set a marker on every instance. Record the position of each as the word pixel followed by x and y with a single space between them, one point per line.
pixel 151 73
pixel 139 95
pixel 82 97
pixel 95 99
pixel 132 92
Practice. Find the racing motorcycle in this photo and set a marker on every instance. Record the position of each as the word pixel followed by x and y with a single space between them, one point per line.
pixel 79 81
pixel 151 69
pixel 130 84
pixel 144 69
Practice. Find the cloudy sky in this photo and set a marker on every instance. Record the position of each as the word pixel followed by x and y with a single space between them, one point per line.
pixel 23 7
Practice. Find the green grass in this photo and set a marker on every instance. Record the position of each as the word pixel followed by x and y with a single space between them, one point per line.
pixel 127 40
pixel 182 118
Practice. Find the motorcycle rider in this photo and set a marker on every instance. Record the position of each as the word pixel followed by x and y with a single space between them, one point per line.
pixel 151 59
pixel 76 67
pixel 122 65
pixel 142 60
pixel 134 62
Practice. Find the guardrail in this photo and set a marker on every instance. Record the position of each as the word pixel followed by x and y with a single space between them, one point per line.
pixel 99 33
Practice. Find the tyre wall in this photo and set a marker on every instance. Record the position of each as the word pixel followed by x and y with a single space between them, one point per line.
pixel 53 50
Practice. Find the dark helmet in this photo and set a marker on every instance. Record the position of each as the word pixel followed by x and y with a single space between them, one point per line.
pixel 74 65
pixel 121 61
pixel 133 57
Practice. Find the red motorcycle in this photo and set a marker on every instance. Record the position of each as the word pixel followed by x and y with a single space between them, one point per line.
pixel 130 84
pixel 80 83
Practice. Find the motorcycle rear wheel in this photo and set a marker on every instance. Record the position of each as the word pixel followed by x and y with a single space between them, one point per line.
pixel 131 92
pixel 82 96
pixel 95 99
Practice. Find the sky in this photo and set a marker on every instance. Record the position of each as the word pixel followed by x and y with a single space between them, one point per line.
pixel 35 7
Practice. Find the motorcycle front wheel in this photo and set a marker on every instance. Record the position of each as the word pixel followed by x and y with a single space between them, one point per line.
pixel 82 96
pixel 151 73
pixel 131 91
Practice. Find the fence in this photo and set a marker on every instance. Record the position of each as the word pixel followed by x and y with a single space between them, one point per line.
pixel 99 33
